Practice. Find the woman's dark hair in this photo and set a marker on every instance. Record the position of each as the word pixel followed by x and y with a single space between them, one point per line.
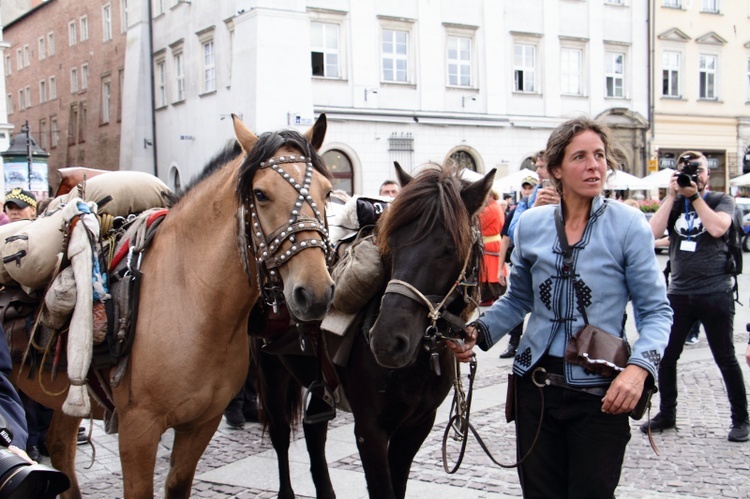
pixel 563 135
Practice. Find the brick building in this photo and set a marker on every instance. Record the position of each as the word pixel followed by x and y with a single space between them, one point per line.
pixel 64 71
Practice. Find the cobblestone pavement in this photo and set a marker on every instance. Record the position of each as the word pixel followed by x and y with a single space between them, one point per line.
pixel 695 461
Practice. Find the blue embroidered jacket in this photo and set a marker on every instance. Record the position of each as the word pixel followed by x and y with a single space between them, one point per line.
pixel 614 262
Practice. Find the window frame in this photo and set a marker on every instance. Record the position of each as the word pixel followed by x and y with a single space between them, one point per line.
pixel 454 78
pixel 21 99
pixel 10 103
pixel 50 43
pixel 74 80
pixel 178 61
pixel 41 50
pixel 26 56
pixel 160 76
pixel 715 80
pixel 580 75
pixel 28 96
pixel 42 91
pixel 328 53
pixel 611 73
pixel 677 4
pixel 208 63
pixel 672 70
pixel 54 132
pixel 83 23
pixel 43 142
pixel 52 88
pixel 523 68
pixel 72 33
pixel 394 57
pixel 107 22
pixel 106 101
pixel 8 65
pixel 85 76
pixel 711 6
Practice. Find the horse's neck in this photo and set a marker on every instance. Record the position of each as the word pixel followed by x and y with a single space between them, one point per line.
pixel 197 244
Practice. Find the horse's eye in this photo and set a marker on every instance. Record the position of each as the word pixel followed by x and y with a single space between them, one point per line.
pixel 259 196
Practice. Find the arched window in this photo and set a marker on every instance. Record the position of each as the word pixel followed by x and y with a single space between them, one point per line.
pixel 464 160
pixel 341 168
pixel 174 179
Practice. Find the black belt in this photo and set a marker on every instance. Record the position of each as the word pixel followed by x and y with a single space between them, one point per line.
pixel 541 378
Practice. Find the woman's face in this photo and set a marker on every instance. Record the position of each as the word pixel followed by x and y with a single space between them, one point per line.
pixel 584 166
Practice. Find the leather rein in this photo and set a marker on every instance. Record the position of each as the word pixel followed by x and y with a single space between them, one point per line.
pixel 267 247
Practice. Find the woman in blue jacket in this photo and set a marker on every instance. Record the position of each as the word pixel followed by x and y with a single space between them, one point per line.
pixel 585 429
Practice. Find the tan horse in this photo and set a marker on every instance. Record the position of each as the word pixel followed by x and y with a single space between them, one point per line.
pixel 200 280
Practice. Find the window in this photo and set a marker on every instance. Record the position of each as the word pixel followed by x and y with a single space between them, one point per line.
pixel 747 82
pixel 571 71
pixel 524 67
pixel 54 132
pixel 71 33
pixel 52 88
pixel 107 22
pixel 84 25
pixel 161 84
pixel 106 100
pixel 123 16
pixel 21 100
pixel 42 91
pixel 158 7
pixel 19 59
pixel 459 61
pixel 43 134
pixel 179 78
pixel 73 80
pixel 325 49
pixel 707 76
pixel 50 43
pixel 28 96
pixel 84 76
pixel 82 122
pixel 677 4
pixel 614 2
pixel 8 65
pixel 670 74
pixel 710 6
pixel 72 124
pixel 41 52
pixel 615 74
pixel 395 56
pixel 26 56
pixel 209 66
pixel 9 103
pixel 340 166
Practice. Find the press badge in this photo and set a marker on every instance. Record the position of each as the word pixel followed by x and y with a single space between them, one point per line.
pixel 688 245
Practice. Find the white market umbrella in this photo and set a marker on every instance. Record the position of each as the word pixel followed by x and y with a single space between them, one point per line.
pixel 741 180
pixel 660 179
pixel 512 181
pixel 620 181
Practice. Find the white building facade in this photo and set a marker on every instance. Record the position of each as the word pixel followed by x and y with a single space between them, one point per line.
pixel 482 81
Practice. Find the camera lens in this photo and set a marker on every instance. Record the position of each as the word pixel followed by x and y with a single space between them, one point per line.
pixel 683 180
pixel 21 480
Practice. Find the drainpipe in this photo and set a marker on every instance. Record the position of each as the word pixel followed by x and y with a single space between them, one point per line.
pixel 650 16
pixel 153 82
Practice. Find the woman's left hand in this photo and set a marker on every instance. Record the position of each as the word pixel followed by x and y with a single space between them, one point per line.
pixel 625 391
pixel 464 352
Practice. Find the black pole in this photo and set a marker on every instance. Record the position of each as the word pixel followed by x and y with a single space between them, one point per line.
pixel 25 130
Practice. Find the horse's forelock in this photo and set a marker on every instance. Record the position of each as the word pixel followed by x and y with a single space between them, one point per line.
pixel 434 196
pixel 266 147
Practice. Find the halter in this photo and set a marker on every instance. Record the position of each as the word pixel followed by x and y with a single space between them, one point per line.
pixel 267 247
pixel 438 309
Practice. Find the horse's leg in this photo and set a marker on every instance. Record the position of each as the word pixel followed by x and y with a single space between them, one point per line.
pixel 404 445
pixel 315 438
pixel 138 438
pixel 372 443
pixel 272 380
pixel 188 448
pixel 61 444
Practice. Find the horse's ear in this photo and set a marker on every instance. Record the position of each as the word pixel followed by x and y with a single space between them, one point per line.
pixel 403 177
pixel 244 136
pixel 317 132
pixel 475 193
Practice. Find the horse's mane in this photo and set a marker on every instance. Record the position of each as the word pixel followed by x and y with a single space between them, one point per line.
pixel 267 145
pixel 230 151
pixel 433 197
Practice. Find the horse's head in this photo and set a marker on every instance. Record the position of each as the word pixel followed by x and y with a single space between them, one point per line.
pixel 429 237
pixel 284 187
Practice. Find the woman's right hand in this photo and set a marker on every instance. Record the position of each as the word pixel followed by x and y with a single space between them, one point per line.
pixel 464 352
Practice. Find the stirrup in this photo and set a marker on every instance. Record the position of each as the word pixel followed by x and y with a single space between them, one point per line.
pixel 323 412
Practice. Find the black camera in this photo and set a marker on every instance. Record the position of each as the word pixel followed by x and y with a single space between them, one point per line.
pixel 21 480
pixel 688 171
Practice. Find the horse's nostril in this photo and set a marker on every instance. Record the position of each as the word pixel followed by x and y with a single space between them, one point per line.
pixel 301 296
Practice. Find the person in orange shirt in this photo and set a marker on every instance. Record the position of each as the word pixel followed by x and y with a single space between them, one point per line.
pixel 491 220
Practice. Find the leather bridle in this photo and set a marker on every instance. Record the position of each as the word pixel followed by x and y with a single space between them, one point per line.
pixel 268 247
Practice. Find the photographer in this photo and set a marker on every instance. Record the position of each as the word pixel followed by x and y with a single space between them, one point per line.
pixel 700 287
pixel 11 408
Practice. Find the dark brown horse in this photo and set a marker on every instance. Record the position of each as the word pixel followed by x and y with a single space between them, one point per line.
pixel 427 236
pixel 255 215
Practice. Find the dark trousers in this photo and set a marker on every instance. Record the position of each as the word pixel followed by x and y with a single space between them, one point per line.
pixel 716 312
pixel 579 451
